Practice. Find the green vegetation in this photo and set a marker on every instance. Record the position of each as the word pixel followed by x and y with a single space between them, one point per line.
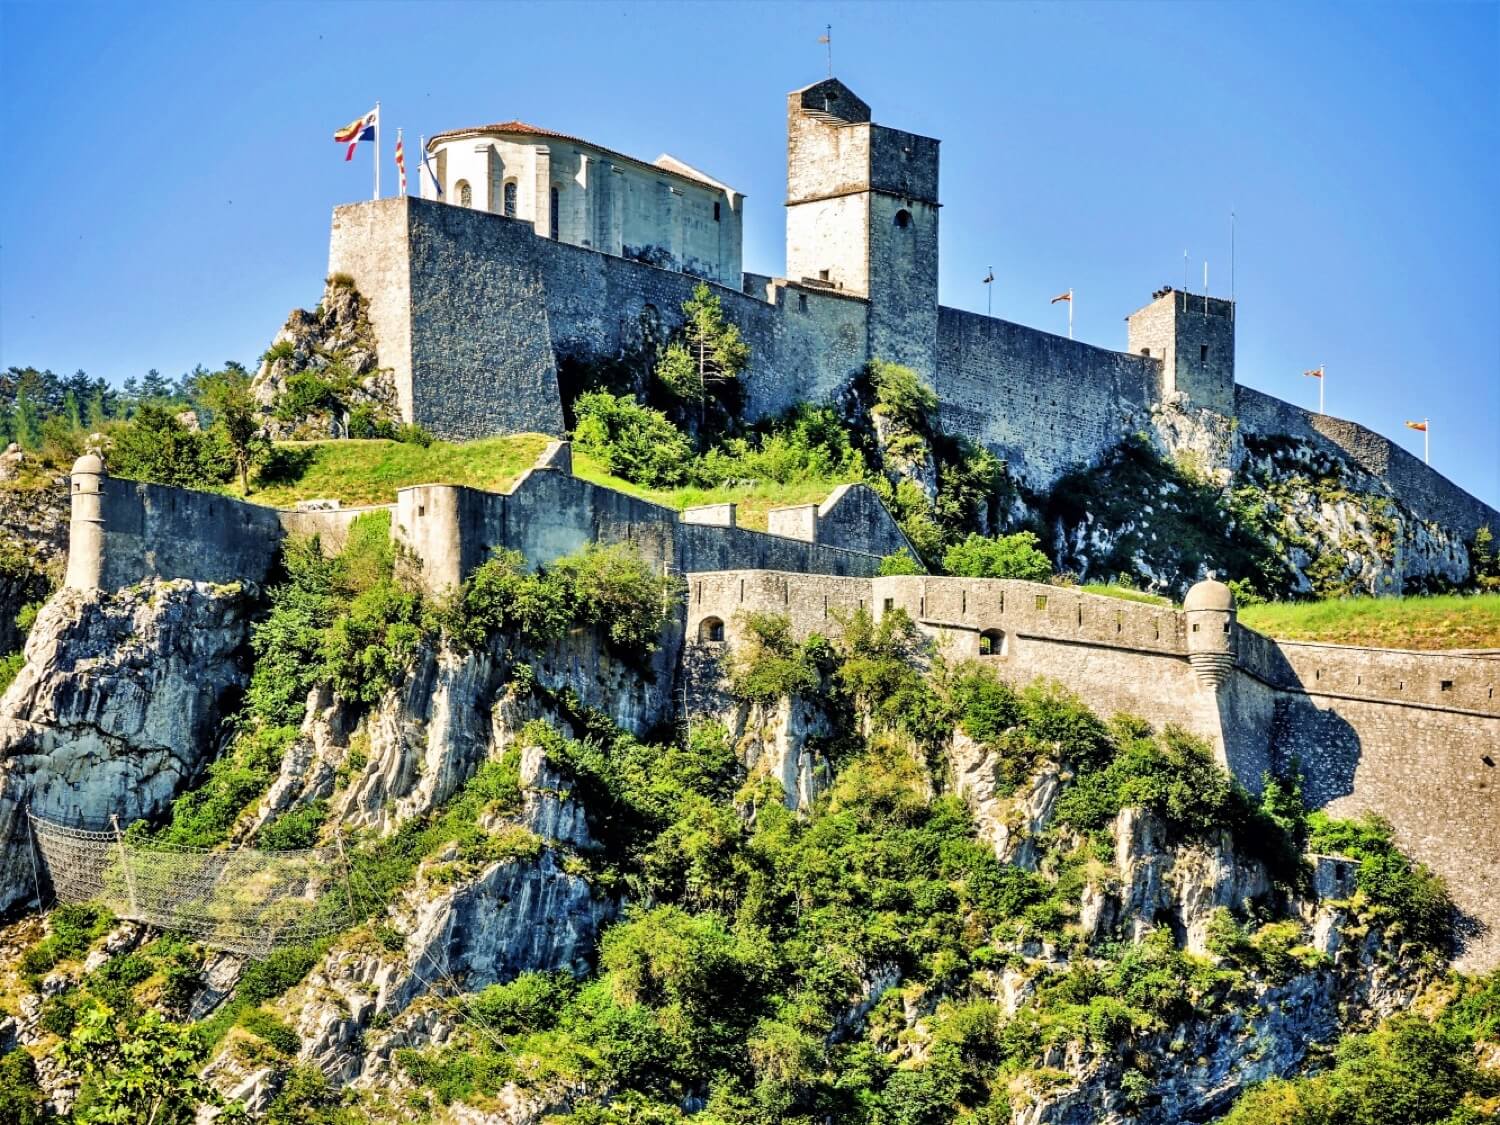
pixel 370 472
pixel 1415 1069
pixel 1009 556
pixel 1433 621
pixel 705 358
pixel 1406 893
pixel 631 440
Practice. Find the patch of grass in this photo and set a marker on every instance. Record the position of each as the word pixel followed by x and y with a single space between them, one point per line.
pixel 1112 590
pixel 1438 621
pixel 754 499
pixel 370 472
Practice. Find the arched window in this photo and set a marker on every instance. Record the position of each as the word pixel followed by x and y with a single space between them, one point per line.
pixel 509 194
pixel 465 194
pixel 903 218
pixel 992 643
pixel 711 629
pixel 556 224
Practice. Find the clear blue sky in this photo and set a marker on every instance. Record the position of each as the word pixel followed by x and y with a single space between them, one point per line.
pixel 172 171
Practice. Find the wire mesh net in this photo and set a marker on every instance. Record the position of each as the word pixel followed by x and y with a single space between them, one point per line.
pixel 244 901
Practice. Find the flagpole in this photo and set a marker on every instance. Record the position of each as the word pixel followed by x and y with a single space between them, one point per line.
pixel 421 161
pixel 1322 378
pixel 1070 314
pixel 1426 441
pixel 377 150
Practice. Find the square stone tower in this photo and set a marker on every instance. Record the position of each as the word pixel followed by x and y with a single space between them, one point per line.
pixel 1193 336
pixel 862 217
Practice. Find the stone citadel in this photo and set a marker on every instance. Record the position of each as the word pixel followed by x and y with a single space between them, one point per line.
pixel 546 251
pixel 533 251
pixel 1409 735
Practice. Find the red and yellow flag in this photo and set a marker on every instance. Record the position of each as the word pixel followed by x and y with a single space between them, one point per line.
pixel 1417 426
pixel 1316 373
pixel 1068 296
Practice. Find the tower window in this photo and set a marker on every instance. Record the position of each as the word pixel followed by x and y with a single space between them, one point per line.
pixel 822 275
pixel 465 194
pixel 554 223
pixel 1146 352
pixel 1202 353
pixel 903 218
pixel 509 195
pixel 716 212
pixel 801 302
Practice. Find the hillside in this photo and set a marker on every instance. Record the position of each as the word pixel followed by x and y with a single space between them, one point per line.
pixel 849 884
pixel 1448 621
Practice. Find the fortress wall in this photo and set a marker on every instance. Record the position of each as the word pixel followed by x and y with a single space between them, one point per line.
pixel 854 517
pixel 331 526
pixel 1034 609
pixel 1043 402
pixel 812 602
pixel 481 346
pixel 1417 679
pixel 369 243
pixel 1429 494
pixel 472 310
pixel 550 513
pixel 1425 772
pixel 156 531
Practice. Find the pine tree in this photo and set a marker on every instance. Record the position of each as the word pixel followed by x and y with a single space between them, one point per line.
pixel 708 351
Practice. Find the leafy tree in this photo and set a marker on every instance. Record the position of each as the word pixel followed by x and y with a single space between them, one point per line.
pixel 1485 560
pixel 156 447
pixel 902 396
pixel 709 351
pixel 1009 556
pixel 146 1071
pixel 227 396
pixel 901 562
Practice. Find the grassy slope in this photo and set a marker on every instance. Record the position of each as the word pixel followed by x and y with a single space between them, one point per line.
pixel 1437 622
pixel 370 472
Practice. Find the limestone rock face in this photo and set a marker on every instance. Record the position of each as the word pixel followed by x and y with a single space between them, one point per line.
pixel 1179 885
pixel 335 341
pixel 1007 822
pixel 117 706
pixel 906 455
pixel 34 514
pixel 772 738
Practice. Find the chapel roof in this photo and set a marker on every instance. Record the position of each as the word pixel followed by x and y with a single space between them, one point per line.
pixel 663 163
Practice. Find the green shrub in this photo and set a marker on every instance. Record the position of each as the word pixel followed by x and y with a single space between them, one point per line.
pixel 72 928
pixel 902 395
pixel 154 446
pixel 1009 556
pixel 769 664
pixel 305 393
pixel 273 1030
pixel 296 828
pixel 1412 894
pixel 22 1101
pixel 631 440
pixel 902 562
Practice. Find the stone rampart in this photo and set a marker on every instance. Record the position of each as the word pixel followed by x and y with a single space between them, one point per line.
pixel 1411 736
pixel 1043 402
pixel 155 531
pixel 549 513
pixel 1430 495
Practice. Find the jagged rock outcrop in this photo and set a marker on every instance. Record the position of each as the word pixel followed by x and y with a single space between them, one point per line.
pixel 1008 821
pixel 117 706
pixel 905 454
pixel 778 740
pixel 336 343
pixel 457 935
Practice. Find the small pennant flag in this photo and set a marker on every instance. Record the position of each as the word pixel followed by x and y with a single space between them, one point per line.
pixel 431 171
pixel 356 131
pixel 1316 373
pixel 1068 296
pixel 401 161
pixel 989 277
pixel 1422 426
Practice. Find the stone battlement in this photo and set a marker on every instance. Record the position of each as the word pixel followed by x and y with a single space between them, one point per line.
pixel 1411 736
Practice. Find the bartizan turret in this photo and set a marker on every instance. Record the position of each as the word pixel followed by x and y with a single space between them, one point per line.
pixel 86 529
pixel 1209 610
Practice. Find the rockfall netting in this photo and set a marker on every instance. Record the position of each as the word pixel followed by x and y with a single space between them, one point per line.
pixel 245 901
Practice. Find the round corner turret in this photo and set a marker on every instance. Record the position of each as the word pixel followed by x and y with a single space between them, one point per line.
pixel 1209 612
pixel 86 526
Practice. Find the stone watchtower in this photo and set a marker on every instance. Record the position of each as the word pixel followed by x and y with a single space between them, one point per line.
pixel 1193 336
pixel 862 218
pixel 1209 614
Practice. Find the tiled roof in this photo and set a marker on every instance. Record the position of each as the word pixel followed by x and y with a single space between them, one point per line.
pixel 522 129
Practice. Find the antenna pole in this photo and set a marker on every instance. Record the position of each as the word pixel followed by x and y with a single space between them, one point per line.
pixel 1231 265
pixel 1184 273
